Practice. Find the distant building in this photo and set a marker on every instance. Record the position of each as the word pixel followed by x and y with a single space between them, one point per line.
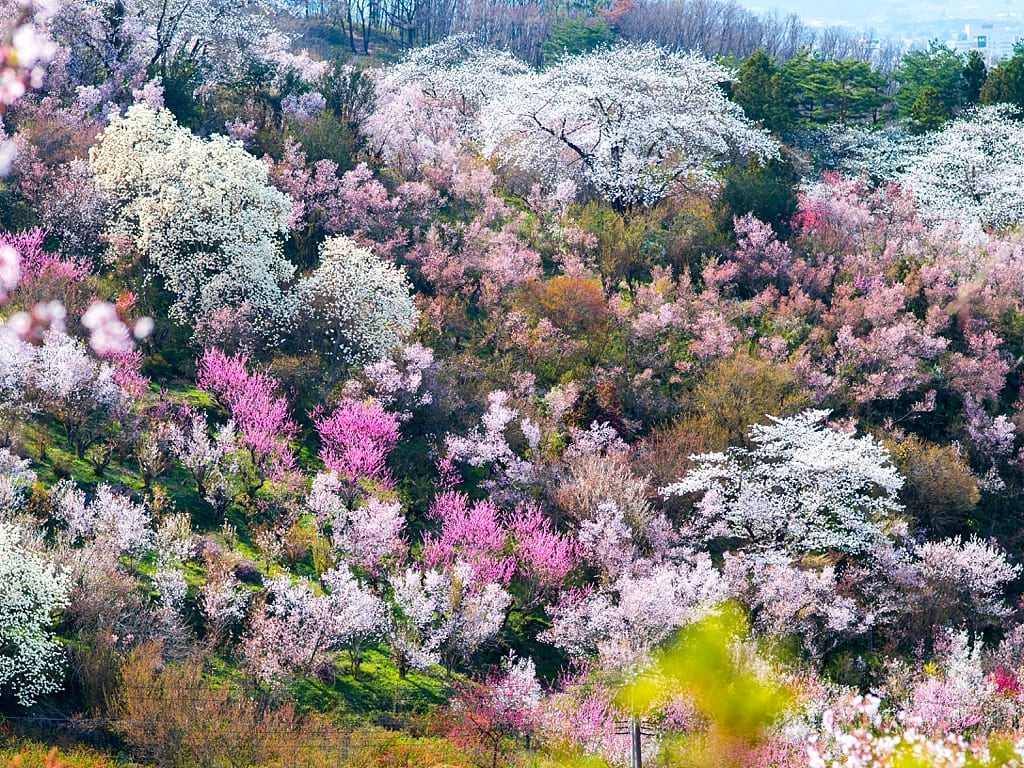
pixel 993 39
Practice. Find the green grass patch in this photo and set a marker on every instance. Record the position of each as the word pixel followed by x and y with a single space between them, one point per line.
pixel 377 689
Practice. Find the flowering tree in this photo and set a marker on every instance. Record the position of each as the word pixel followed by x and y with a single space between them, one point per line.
pixel 260 415
pixel 223 600
pixel 206 458
pixel 420 623
pixel 219 37
pixel 25 49
pixel 804 486
pixel 201 214
pixel 44 275
pixel 109 524
pixel 298 629
pixel 962 583
pixel 369 536
pixel 427 104
pixel 789 601
pixel 442 615
pixel 31 589
pixel 15 482
pixel 356 439
pixel 402 384
pixel 630 122
pixel 625 620
pixel 80 392
pixel 486 444
pixel 545 557
pixel 967 172
pixel 498 710
pixel 470 533
pixel 353 306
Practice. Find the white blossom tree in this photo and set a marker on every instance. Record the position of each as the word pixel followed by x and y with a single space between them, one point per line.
pixel 789 601
pixel 441 615
pixel 966 581
pixel 15 482
pixel 622 622
pixel 220 35
pixel 970 171
pixel 428 103
pixel 208 459
pixel 200 212
pixel 419 623
pixel 354 306
pixel 630 123
pixel 81 393
pixel 299 629
pixel 367 536
pixel 803 487
pixel 109 524
pixel 31 589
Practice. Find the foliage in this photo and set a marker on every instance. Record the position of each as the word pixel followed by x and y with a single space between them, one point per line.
pixel 573 37
pixel 1005 82
pixel 937 71
pixel 828 91
pixel 975 73
pixel 763 93
pixel 940 491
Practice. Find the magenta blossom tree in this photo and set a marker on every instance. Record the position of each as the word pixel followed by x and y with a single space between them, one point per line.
pixel 470 532
pixel 264 426
pixel 357 438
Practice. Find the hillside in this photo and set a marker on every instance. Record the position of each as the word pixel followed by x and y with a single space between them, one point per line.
pixel 445 404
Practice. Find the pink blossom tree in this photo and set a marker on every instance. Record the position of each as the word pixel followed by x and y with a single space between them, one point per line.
pixel 544 557
pixel 356 439
pixel 262 421
pixel 498 711
pixel 471 533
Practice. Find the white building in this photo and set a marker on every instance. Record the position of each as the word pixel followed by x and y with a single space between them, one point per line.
pixel 993 39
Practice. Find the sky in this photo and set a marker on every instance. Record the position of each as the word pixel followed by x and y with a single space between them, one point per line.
pixel 888 13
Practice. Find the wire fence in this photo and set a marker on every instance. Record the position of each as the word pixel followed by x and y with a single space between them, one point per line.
pixel 187 741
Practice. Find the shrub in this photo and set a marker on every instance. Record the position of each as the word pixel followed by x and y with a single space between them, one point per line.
pixel 171 717
pixel 940 491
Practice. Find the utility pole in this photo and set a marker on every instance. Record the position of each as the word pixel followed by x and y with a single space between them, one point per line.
pixel 635 755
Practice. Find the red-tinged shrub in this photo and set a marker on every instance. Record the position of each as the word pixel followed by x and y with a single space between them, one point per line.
pixel 577 305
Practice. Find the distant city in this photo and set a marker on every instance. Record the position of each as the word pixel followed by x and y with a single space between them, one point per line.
pixel 989 27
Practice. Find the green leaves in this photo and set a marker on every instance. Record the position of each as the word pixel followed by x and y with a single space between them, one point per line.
pixel 834 91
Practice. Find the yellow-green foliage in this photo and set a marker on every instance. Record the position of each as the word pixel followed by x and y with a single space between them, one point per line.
pixel 390 749
pixel 714 663
pixel 940 489
pixel 27 753
pixel 738 392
